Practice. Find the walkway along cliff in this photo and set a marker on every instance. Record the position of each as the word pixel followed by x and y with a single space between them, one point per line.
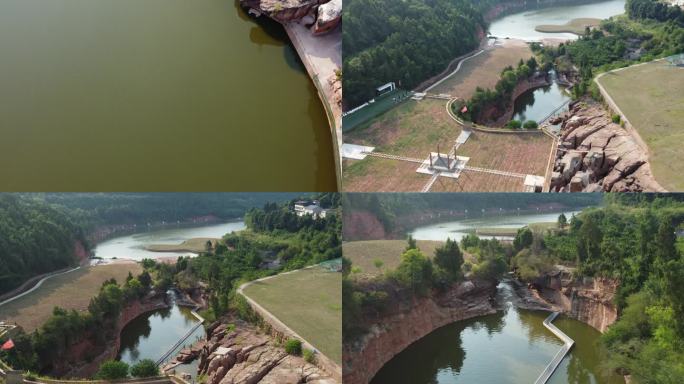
pixel 314 29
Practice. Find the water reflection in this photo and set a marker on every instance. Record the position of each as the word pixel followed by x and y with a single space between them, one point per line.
pixel 511 346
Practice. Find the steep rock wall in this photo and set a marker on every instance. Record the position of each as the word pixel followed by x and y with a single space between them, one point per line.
pixel 589 300
pixel 409 322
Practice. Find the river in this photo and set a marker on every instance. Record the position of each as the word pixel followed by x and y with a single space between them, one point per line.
pixel 520 25
pixel 132 246
pixel 511 346
pixel 153 334
pixel 457 229
pixel 155 95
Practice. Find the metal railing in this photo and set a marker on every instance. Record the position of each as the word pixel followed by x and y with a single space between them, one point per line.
pixel 555 362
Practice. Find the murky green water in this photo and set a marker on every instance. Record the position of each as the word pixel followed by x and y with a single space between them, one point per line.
pixel 153 334
pixel 537 104
pixel 511 346
pixel 155 95
pixel 133 246
pixel 520 25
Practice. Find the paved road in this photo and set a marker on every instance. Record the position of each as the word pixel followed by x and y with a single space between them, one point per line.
pixel 40 282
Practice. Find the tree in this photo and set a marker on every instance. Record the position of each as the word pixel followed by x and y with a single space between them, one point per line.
pixel 449 258
pixel 415 271
pixel 378 264
pixel 145 368
pixel 530 124
pixel 112 370
pixel 411 243
pixel 523 239
pixel 562 221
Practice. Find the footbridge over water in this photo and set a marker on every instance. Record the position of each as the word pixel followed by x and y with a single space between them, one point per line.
pixel 555 362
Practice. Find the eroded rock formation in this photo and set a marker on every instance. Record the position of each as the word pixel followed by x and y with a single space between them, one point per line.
pixel 325 13
pixel 589 300
pixel 409 321
pixel 240 354
pixel 596 154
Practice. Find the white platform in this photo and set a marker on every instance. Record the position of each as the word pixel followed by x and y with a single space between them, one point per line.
pixel 463 137
pixel 353 151
pixel 458 163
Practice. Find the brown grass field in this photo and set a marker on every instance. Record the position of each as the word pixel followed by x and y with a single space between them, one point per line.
pixel 70 291
pixel 484 70
pixel 528 154
pixel 471 181
pixel 364 253
pixel 577 26
pixel 309 301
pixel 655 110
pixel 382 175
pixel 412 129
pixel 195 245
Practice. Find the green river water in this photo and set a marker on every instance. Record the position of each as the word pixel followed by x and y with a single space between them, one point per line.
pixel 509 347
pixel 132 95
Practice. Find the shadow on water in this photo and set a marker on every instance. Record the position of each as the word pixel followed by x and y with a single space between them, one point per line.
pixel 270 32
pixel 510 346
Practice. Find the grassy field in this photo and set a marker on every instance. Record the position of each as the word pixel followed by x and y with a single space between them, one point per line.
pixel 576 26
pixel 527 154
pixel 484 70
pixel 471 181
pixel 196 245
pixel 651 96
pixel 382 175
pixel 364 253
pixel 411 129
pixel 309 301
pixel 70 291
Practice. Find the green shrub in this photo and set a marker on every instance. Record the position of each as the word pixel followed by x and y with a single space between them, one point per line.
pixel 145 368
pixel 309 356
pixel 616 119
pixel 293 347
pixel 514 124
pixel 112 370
pixel 530 124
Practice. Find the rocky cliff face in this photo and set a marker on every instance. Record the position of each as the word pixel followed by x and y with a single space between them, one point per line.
pixel 596 154
pixel 326 14
pixel 408 323
pixel 589 300
pixel 83 359
pixel 239 354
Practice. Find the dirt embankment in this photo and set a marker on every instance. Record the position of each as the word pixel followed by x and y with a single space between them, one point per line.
pixel 237 352
pixel 106 232
pixel 362 225
pixel 410 321
pixel 83 358
pixel 596 154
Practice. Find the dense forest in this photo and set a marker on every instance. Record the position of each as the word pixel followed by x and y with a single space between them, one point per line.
pixel 35 238
pixel 405 41
pixel 633 239
pixel 124 208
